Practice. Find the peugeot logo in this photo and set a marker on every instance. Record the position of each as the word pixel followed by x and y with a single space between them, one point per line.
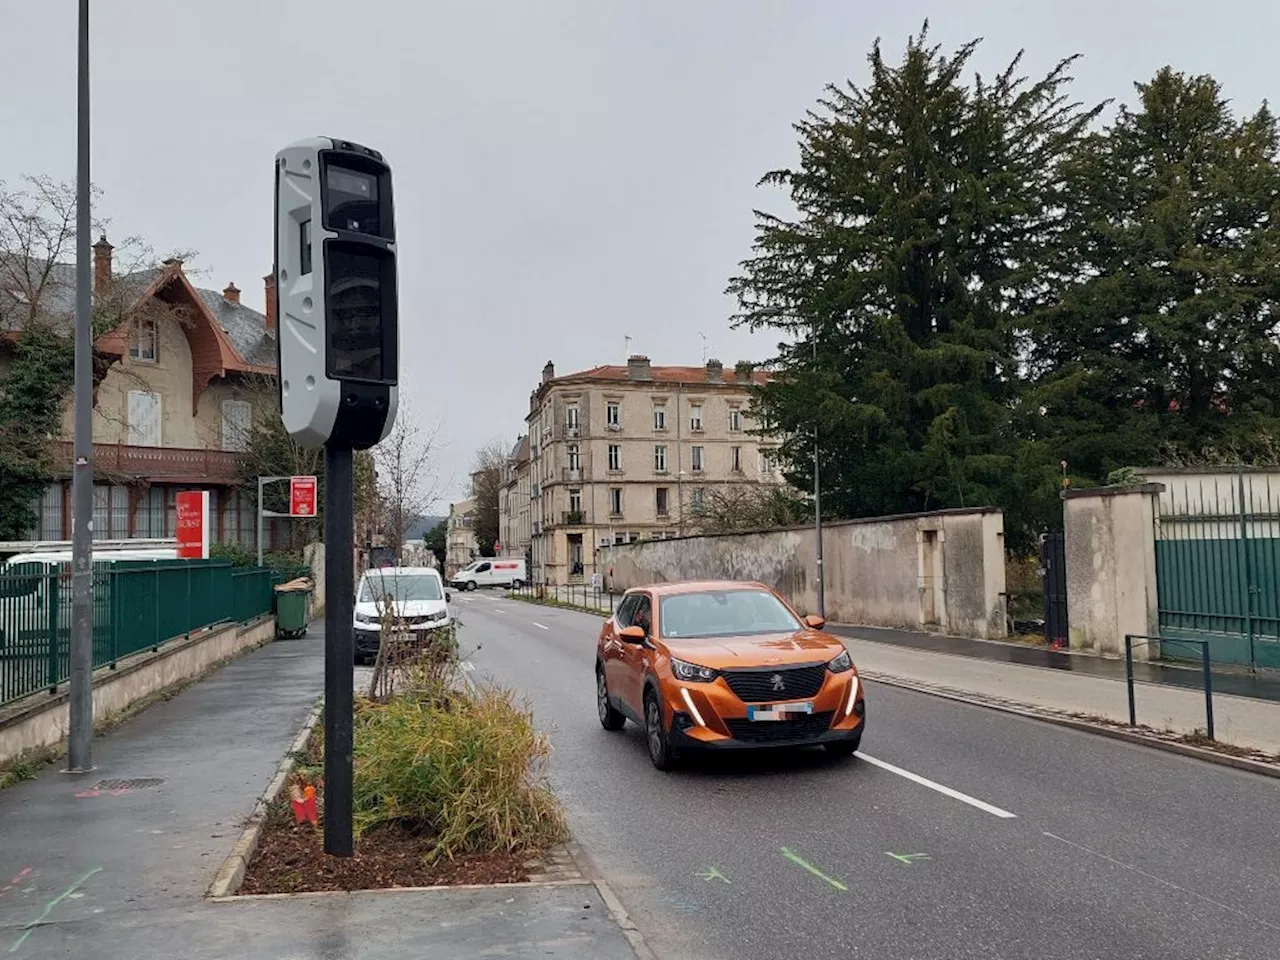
pixel 778 683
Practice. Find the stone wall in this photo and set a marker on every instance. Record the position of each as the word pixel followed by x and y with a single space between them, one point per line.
pixel 941 571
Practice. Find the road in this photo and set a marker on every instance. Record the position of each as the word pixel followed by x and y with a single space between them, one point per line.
pixel 960 833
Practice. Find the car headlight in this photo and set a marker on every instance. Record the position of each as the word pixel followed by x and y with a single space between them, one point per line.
pixel 365 618
pixel 692 672
pixel 841 663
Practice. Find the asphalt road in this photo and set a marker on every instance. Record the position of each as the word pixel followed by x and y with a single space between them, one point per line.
pixel 986 835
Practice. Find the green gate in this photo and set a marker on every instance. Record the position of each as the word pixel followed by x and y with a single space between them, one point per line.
pixel 1217 562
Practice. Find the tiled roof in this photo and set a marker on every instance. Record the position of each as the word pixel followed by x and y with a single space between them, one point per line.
pixel 686 375
pixel 246 327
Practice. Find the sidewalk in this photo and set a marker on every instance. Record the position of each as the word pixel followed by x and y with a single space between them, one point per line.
pixel 1242 721
pixel 121 871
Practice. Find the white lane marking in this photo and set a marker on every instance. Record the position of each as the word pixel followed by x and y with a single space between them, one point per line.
pixel 540 626
pixel 1151 876
pixel 945 791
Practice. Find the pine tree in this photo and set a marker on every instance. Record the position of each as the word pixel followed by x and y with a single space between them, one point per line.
pixel 926 206
pixel 1164 341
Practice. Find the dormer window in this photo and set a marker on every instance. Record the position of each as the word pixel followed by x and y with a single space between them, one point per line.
pixel 143 346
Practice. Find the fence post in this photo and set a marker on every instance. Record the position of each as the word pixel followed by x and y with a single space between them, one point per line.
pixel 55 601
pixel 1128 678
pixel 1208 688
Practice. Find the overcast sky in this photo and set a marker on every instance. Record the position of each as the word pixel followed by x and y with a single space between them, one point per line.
pixel 567 173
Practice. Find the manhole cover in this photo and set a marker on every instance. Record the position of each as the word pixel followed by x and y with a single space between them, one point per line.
pixel 140 783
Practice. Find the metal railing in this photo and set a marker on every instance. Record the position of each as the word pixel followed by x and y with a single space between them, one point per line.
pixel 1205 667
pixel 137 606
pixel 582 596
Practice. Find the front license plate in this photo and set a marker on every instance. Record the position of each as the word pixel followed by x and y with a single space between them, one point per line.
pixel 778 711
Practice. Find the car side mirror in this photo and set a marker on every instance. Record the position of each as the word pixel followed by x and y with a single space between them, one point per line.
pixel 815 622
pixel 448 597
pixel 633 634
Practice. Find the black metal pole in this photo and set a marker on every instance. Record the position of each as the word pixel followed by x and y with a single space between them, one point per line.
pixel 1128 679
pixel 1208 690
pixel 339 653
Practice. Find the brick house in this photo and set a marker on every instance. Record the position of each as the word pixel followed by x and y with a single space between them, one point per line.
pixel 174 409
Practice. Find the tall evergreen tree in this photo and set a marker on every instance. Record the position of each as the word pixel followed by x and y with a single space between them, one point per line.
pixel 1163 343
pixel 926 206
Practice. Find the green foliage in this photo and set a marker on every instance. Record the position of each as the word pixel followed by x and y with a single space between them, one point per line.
pixel 436 540
pixel 464 767
pixel 243 555
pixel 925 205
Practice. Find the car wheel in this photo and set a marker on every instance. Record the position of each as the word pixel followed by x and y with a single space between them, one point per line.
pixel 517 584
pixel 659 745
pixel 471 585
pixel 610 718
pixel 843 748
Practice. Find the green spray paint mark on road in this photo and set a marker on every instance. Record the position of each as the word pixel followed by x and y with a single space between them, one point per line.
pixel 800 861
pixel 48 908
pixel 908 858
pixel 714 874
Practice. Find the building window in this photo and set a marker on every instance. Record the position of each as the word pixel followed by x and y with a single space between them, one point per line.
pixel 615 501
pixel 613 415
pixel 735 419
pixel 660 418
pixel 615 456
pixel 575 501
pixel 143 346
pixel 575 457
pixel 737 459
pixel 662 501
pixel 237 421
pixel 571 417
pixel 699 500
pixel 695 460
pixel 660 458
pixel 768 463
pixel 695 417
pixel 142 419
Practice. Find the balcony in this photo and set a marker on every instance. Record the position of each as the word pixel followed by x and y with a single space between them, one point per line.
pixel 573 518
pixel 573 475
pixel 157 464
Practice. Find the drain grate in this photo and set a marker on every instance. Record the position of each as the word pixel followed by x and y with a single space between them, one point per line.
pixel 140 783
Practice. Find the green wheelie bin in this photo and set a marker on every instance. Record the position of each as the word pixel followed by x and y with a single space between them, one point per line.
pixel 293 608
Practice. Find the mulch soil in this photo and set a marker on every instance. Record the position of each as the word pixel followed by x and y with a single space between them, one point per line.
pixel 290 859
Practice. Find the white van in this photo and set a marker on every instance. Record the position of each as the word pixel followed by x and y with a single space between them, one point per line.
pixel 491 572
pixel 418 600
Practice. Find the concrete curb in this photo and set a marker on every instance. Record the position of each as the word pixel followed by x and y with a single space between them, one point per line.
pixel 616 910
pixel 1115 733
pixel 231 874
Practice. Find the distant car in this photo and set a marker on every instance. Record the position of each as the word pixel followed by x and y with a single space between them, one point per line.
pixel 723 666
pixel 416 599
pixel 493 572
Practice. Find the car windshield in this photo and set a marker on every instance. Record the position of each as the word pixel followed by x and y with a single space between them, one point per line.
pixel 725 613
pixel 418 586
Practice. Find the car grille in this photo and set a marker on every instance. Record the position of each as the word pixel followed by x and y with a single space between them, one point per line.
pixel 800 726
pixel 761 686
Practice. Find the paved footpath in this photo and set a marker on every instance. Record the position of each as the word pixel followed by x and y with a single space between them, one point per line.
pixel 122 871
pixel 1244 721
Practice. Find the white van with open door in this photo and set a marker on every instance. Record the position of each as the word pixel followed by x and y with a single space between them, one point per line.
pixel 491 572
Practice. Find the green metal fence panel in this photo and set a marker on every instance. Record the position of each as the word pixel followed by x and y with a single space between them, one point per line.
pixel 137 606
pixel 1218 566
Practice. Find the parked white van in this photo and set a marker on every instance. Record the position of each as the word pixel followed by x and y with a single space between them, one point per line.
pixel 417 599
pixel 491 572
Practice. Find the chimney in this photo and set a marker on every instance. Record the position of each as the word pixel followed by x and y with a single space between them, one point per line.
pixel 745 370
pixel 715 371
pixel 638 367
pixel 548 372
pixel 102 265
pixel 231 293
pixel 269 281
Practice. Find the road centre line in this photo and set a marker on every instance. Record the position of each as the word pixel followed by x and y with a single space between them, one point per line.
pixel 940 788
pixel 539 625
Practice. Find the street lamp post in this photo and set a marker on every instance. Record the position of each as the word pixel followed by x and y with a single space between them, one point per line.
pixel 817 498
pixel 80 732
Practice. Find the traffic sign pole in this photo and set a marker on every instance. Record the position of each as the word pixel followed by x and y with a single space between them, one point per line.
pixel 339 649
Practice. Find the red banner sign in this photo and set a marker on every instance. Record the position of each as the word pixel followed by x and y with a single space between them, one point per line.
pixel 193 524
pixel 302 496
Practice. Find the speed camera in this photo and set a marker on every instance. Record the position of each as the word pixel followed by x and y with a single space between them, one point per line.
pixel 338 336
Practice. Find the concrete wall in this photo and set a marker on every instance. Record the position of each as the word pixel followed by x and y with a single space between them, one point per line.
pixel 313 557
pixel 41 720
pixel 940 571
pixel 1111 566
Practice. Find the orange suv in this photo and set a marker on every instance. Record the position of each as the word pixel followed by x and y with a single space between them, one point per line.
pixel 725 665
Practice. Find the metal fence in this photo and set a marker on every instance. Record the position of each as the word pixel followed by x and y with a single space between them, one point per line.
pixel 581 596
pixel 136 606
pixel 1218 564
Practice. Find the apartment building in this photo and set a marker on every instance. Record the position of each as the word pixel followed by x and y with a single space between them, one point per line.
pixel 461 546
pixel 623 453
pixel 515 523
